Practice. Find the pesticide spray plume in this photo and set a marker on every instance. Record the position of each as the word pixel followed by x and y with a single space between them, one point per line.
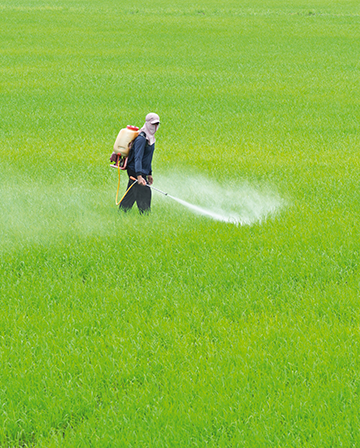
pixel 239 204
pixel 186 204
pixel 235 203
pixel 193 207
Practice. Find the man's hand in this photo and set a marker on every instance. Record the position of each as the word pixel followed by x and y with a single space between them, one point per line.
pixel 141 181
pixel 150 179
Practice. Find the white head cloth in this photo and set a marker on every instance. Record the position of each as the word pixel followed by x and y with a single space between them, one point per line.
pixel 151 125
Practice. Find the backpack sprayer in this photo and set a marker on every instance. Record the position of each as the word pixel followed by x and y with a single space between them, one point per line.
pixel 122 146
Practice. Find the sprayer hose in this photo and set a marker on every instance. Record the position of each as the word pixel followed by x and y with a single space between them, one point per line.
pixel 126 192
pixel 118 187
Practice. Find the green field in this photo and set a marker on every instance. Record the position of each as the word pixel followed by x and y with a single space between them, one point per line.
pixel 174 329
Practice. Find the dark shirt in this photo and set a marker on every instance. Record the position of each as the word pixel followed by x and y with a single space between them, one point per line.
pixel 141 154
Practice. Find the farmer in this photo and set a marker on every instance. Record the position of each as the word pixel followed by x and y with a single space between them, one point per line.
pixel 139 166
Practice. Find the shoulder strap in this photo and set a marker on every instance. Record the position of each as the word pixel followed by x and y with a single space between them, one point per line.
pixel 142 133
pixel 131 144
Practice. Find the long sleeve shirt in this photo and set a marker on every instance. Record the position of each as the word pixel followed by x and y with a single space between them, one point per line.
pixel 140 157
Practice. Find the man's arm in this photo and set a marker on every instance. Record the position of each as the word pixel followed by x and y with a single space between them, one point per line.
pixel 139 154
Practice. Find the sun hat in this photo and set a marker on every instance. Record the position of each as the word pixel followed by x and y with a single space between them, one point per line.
pixel 152 118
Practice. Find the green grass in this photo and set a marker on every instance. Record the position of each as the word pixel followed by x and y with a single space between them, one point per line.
pixel 174 329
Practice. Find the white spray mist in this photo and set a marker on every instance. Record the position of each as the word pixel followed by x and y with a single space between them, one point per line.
pixel 236 203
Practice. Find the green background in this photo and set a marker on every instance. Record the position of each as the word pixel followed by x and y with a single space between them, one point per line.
pixel 174 329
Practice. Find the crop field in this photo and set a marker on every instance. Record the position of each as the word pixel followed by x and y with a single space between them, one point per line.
pixel 235 328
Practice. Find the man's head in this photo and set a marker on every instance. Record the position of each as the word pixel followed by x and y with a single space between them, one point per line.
pixel 152 122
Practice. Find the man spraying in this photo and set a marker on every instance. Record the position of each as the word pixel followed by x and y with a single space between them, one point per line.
pixel 139 166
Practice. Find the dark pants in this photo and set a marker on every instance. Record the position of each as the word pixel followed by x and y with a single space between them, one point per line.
pixel 139 194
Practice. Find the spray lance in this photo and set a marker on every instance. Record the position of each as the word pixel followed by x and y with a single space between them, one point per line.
pixel 150 186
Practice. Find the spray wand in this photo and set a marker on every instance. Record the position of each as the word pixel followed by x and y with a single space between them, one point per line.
pixel 147 185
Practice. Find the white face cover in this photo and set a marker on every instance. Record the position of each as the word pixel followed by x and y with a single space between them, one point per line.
pixel 153 128
pixel 149 128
